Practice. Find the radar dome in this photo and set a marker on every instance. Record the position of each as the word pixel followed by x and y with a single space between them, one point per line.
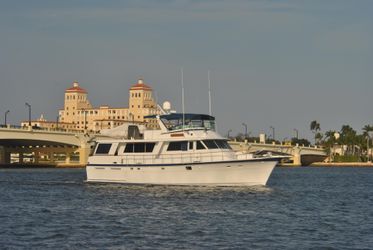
pixel 166 105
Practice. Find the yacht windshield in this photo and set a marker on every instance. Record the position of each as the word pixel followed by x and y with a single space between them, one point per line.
pixel 175 121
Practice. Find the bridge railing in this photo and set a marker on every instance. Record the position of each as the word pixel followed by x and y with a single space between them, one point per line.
pixel 36 128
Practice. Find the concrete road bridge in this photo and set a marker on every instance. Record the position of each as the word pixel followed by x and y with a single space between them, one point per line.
pixel 25 145
pixel 300 155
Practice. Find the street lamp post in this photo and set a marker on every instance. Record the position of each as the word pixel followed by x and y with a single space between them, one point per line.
pixel 245 125
pixel 296 133
pixel 228 133
pixel 29 113
pixel 273 133
pixel 57 120
pixel 6 114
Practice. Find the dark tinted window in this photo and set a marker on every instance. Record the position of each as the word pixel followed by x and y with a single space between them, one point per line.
pixel 149 147
pixel 129 148
pixel 223 144
pixel 190 145
pixel 139 147
pixel 200 145
pixel 178 146
pixel 210 144
pixel 103 148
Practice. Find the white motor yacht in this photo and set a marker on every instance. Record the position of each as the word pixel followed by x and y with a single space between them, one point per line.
pixel 186 150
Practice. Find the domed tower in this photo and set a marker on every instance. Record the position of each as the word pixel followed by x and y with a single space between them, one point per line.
pixel 75 99
pixel 140 101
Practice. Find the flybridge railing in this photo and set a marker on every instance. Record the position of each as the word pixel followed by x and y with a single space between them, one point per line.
pixel 173 158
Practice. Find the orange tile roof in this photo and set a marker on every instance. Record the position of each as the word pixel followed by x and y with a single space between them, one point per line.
pixel 140 86
pixel 76 88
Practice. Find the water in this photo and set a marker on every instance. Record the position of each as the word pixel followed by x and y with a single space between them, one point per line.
pixel 301 208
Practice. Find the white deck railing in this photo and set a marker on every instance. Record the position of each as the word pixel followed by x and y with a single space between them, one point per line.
pixel 167 158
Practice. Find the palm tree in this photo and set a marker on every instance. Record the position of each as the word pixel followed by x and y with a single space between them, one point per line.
pixel 367 129
pixel 315 127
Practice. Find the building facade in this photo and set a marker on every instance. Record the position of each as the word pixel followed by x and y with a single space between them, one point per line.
pixel 79 111
pixel 79 114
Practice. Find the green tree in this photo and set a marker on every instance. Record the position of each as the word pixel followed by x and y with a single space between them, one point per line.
pixel 349 137
pixel 315 128
pixel 300 141
pixel 366 129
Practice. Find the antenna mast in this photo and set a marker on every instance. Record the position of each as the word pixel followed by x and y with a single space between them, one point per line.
pixel 208 76
pixel 182 96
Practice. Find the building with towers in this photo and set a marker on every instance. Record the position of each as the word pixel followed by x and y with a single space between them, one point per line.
pixel 79 111
pixel 79 114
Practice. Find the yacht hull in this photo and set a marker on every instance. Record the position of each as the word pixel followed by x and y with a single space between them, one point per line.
pixel 229 173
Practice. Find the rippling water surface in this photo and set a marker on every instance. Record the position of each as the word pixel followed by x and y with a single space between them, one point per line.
pixel 301 208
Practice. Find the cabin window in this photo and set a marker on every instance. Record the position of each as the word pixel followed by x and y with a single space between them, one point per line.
pixel 139 147
pixel 149 147
pixel 103 148
pixel 210 144
pixel 223 144
pixel 178 146
pixel 200 145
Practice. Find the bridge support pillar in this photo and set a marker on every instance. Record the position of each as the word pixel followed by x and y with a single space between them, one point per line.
pixel 4 156
pixel 67 159
pixel 296 157
pixel 51 156
pixel 20 157
pixel 83 154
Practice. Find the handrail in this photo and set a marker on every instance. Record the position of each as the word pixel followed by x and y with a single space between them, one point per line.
pixel 172 158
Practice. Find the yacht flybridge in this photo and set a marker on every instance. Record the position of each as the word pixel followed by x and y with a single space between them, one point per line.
pixel 186 150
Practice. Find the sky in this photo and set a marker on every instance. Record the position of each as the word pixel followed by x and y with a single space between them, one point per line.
pixel 279 63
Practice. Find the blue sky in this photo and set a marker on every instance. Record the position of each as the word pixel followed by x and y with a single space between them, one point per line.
pixel 273 63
